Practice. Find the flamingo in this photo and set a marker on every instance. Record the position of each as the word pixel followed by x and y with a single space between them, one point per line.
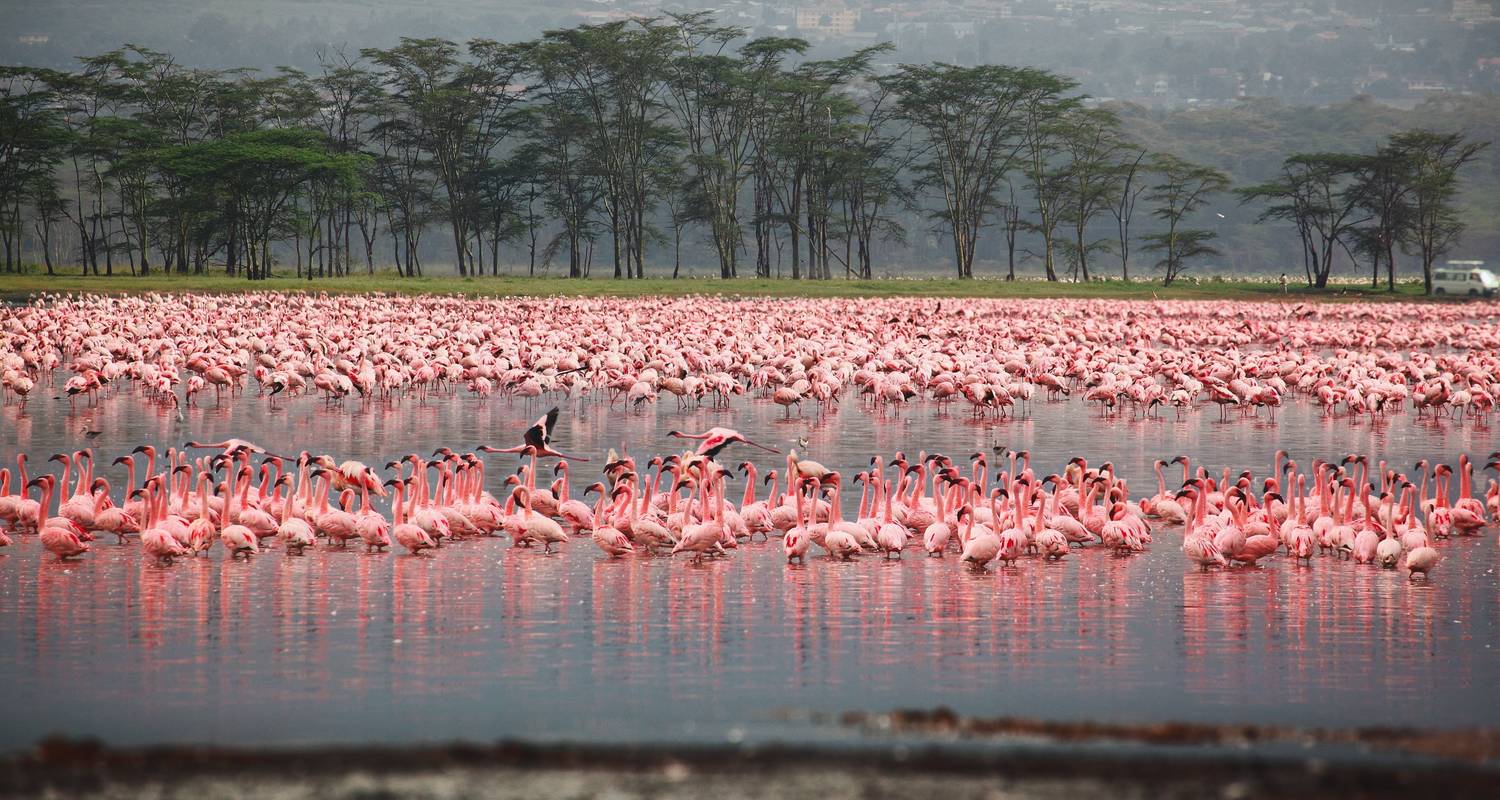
pixel 157 541
pixel 714 440
pixel 409 536
pixel 238 539
pixel 202 531
pixel 536 441
pixel 609 539
pixel 61 540
pixel 1197 545
pixel 335 523
pixel 370 525
pixel 1421 562
pixel 295 531
pixel 536 527
pixel 702 537
pixel 979 549
pixel 890 537
pixel 796 541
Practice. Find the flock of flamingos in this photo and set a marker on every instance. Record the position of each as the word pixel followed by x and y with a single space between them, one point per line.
pixel 994 358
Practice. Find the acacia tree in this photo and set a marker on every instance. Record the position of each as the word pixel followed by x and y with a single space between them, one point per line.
pixel 349 94
pixel 877 155
pixel 461 109
pixel 787 127
pixel 1092 143
pixel 812 135
pixel 617 73
pixel 1044 107
pixel 1381 189
pixel 1316 192
pixel 560 134
pixel 1129 186
pixel 1431 163
pixel 88 99
pixel 714 98
pixel 48 209
pixel 972 135
pixel 181 106
pixel 289 100
pixel 1012 223
pixel 132 174
pixel 32 143
pixel 402 179
pixel 261 171
pixel 1181 189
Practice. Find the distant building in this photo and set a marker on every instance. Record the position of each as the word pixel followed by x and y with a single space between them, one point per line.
pixel 34 38
pixel 1427 86
pixel 902 31
pixel 827 19
pixel 1472 10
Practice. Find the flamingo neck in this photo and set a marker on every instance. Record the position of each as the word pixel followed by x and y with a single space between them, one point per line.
pixel 749 487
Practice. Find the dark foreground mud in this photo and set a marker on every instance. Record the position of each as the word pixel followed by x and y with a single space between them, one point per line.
pixel 540 772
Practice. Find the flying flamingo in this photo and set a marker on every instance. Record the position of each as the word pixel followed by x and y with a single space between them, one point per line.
pixel 716 439
pixel 536 441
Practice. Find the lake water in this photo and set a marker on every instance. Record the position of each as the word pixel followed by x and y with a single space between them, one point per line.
pixel 484 641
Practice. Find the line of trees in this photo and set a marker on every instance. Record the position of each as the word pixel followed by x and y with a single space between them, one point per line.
pixel 1368 205
pixel 615 140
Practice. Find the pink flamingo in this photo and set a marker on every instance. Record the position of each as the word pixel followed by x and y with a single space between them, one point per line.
pixel 238 539
pixel 156 540
pixel 61 540
pixel 609 539
pixel 409 536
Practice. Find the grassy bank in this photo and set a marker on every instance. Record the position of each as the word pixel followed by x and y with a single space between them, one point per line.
pixel 20 286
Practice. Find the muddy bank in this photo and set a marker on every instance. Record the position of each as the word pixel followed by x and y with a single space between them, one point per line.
pixel 1477 745
pixel 725 772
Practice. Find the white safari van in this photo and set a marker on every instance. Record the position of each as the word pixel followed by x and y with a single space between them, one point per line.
pixel 1464 279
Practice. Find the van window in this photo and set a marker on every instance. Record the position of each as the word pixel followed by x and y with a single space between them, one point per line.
pixel 1474 276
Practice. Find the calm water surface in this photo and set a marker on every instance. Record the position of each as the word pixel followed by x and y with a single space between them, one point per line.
pixel 483 641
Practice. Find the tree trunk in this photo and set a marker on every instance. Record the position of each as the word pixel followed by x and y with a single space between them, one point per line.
pixel 614 236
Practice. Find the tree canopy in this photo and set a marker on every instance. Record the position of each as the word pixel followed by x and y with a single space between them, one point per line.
pixel 644 137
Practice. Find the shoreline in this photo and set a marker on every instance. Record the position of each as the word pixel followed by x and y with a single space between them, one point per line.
pixel 18 288
pixel 877 768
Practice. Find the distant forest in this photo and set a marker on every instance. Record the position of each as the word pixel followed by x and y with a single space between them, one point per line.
pixel 678 142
